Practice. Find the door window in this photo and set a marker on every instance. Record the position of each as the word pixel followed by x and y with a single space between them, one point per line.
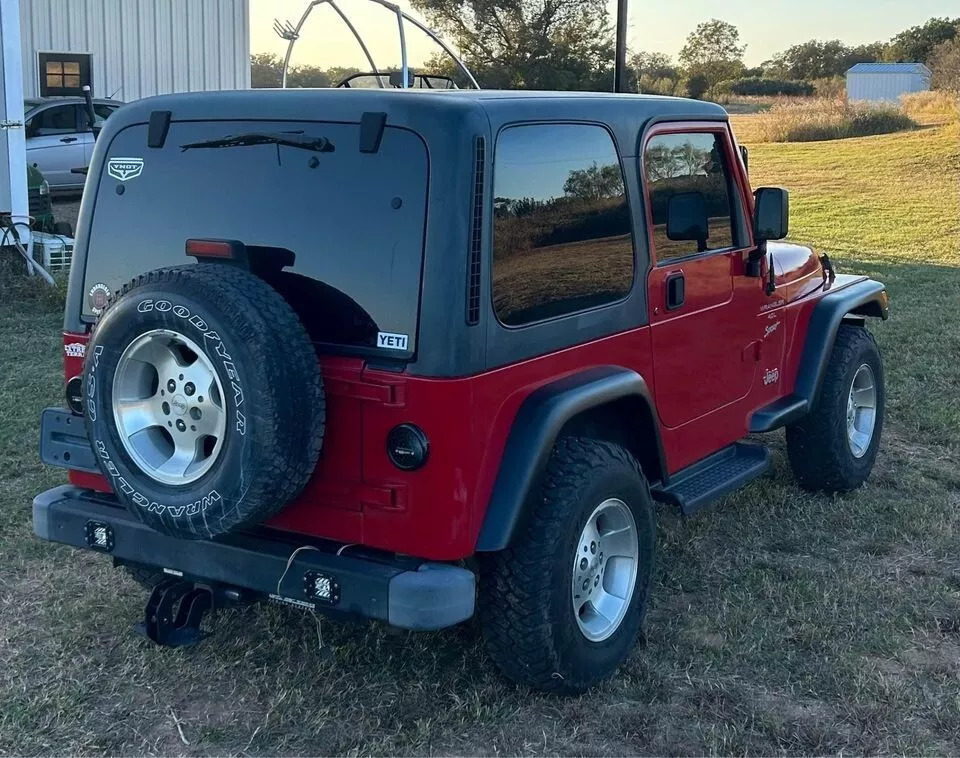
pixel 681 164
pixel 61 119
pixel 101 113
pixel 562 238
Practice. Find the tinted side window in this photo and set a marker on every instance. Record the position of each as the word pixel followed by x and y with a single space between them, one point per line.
pixel 59 120
pixel 676 164
pixel 562 235
pixel 102 113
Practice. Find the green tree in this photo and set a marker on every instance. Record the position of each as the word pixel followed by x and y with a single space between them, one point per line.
pixel 594 183
pixel 945 64
pixel 529 44
pixel 819 60
pixel 696 86
pixel 652 73
pixel 915 45
pixel 713 53
pixel 265 70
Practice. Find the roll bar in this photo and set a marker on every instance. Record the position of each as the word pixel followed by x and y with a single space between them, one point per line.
pixel 291 33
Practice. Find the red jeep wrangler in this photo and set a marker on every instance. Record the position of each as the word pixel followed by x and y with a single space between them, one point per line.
pixel 415 355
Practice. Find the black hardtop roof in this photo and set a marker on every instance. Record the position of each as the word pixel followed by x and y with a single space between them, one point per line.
pixel 338 103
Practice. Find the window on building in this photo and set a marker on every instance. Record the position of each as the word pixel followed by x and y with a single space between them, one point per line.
pixel 562 232
pixel 63 73
pixel 677 164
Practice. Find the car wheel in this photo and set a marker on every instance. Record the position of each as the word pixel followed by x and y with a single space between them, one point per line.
pixel 833 448
pixel 203 400
pixel 561 608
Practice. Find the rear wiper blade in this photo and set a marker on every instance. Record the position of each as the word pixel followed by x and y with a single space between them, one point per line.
pixel 317 144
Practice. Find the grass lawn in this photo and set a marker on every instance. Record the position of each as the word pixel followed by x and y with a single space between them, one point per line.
pixel 781 622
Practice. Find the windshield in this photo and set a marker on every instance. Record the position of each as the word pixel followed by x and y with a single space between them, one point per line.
pixel 354 221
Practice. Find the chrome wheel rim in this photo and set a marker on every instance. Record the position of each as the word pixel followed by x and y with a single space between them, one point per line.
pixel 605 570
pixel 861 411
pixel 168 407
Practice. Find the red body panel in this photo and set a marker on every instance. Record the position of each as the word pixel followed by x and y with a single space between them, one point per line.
pixel 729 350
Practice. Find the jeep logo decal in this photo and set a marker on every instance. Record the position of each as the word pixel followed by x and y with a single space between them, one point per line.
pixel 124 169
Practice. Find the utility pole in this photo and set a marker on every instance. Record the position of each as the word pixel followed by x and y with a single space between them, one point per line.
pixel 620 67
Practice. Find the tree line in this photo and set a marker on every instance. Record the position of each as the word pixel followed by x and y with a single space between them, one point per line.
pixel 568 45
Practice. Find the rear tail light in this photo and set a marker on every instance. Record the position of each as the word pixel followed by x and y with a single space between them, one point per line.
pixel 74 393
pixel 225 249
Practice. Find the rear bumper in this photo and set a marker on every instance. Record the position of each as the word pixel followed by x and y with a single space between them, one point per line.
pixel 409 594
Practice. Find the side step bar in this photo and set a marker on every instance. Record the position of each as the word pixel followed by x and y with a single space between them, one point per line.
pixel 715 476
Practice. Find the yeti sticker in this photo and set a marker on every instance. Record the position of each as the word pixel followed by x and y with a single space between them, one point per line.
pixel 392 341
pixel 125 169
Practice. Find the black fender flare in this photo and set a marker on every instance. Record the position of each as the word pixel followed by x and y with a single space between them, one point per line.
pixel 535 430
pixel 866 298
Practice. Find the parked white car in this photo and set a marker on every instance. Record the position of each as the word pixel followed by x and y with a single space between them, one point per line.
pixel 59 138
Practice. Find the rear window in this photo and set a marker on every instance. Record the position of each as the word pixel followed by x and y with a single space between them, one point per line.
pixel 354 221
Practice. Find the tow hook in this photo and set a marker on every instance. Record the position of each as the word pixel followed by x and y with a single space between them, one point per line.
pixel 176 607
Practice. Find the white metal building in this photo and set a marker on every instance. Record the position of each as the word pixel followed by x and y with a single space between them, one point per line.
pixel 124 49
pixel 886 82
pixel 129 49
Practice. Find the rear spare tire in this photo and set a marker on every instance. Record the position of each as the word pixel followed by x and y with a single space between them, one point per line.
pixel 204 401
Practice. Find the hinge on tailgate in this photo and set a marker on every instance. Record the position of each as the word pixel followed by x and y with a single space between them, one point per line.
pixel 380 393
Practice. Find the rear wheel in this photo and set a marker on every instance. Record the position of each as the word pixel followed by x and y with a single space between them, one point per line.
pixel 833 448
pixel 561 607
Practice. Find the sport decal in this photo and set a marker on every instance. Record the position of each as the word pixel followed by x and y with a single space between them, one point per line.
pixel 99 295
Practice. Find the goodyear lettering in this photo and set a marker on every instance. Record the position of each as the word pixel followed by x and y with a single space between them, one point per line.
pixel 141 500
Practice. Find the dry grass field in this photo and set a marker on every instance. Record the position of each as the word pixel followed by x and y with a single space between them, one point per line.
pixel 782 622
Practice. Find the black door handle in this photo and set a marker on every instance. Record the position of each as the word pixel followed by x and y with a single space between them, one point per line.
pixel 68 139
pixel 676 290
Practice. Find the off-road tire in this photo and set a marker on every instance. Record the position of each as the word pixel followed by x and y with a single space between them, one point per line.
pixel 525 607
pixel 273 400
pixel 817 445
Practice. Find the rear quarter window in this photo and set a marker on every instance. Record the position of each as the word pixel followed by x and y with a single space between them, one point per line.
pixel 562 231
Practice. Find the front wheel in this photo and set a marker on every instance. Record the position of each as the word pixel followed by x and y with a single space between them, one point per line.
pixel 561 608
pixel 833 448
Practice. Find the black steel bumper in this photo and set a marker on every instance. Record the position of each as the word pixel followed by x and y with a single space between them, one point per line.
pixel 410 595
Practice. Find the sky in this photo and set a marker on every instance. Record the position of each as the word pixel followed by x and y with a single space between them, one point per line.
pixel 766 26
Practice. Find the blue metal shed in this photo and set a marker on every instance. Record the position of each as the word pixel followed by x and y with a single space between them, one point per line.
pixel 886 82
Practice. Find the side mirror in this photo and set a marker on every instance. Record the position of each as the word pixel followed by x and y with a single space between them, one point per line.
pixel 771 214
pixel 687 219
